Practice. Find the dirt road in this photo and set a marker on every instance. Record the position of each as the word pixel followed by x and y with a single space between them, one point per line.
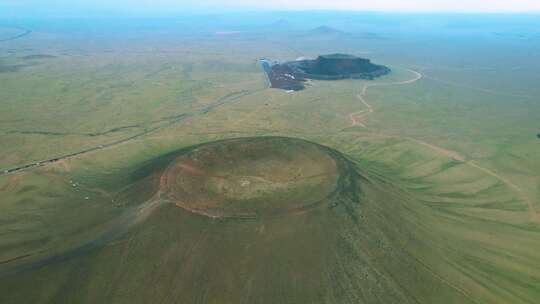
pixel 167 123
pixel 356 120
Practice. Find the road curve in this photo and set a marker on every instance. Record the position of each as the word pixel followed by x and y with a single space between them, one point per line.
pixel 356 120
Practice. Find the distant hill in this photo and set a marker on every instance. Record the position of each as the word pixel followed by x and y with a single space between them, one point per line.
pixel 281 23
pixel 324 30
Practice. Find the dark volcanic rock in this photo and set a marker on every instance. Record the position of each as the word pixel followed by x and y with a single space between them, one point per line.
pixel 339 66
pixel 292 75
pixel 283 77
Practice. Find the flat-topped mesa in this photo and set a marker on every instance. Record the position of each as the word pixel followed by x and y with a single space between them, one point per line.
pixel 339 66
pixel 292 75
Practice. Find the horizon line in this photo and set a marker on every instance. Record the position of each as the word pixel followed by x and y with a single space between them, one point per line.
pixel 202 12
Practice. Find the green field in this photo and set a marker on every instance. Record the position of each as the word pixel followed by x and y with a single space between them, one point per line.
pixel 446 146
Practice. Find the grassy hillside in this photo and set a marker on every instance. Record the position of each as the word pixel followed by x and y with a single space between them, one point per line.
pixel 449 205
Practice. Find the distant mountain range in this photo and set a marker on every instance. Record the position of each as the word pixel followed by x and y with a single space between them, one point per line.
pixel 324 32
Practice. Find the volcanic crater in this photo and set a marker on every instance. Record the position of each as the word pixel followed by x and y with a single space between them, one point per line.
pixel 255 177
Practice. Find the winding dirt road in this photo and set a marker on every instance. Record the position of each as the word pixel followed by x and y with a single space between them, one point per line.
pixel 357 120
pixel 356 117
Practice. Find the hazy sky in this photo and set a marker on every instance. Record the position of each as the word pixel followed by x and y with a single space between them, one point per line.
pixel 15 7
pixel 392 5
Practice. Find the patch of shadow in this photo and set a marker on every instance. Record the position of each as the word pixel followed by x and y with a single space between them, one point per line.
pixel 50 194
pixel 27 189
pixel 26 201
pixel 9 68
pixel 38 56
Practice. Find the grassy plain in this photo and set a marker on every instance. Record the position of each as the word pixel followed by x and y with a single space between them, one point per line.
pixel 429 228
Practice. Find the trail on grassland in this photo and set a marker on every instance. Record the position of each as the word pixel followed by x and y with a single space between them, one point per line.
pixel 357 116
pixel 169 121
pixel 24 33
pixel 356 120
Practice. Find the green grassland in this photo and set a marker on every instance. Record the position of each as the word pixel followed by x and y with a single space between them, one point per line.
pixel 429 228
